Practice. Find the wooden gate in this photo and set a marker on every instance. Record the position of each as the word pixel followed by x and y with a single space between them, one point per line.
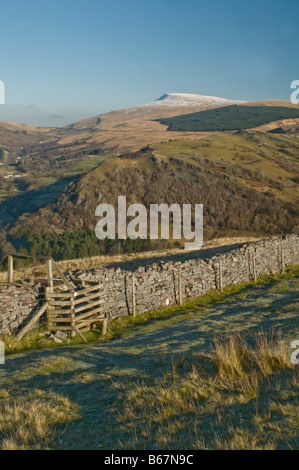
pixel 75 311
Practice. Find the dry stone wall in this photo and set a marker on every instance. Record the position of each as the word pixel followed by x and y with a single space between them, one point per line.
pixel 157 284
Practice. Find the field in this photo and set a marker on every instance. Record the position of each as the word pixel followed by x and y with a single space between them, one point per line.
pixel 214 377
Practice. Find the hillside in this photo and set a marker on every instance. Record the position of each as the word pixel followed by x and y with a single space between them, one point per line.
pixel 246 182
pixel 36 163
pixel 134 128
pixel 229 118
pixel 124 130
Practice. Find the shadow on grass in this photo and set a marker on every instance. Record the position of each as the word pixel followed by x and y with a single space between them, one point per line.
pixel 31 201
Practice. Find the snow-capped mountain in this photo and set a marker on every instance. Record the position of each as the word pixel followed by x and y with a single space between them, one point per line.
pixel 186 99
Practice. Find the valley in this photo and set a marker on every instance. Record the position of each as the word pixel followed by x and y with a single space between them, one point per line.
pixel 53 178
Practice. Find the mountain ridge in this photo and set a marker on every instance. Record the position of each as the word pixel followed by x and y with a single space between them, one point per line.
pixel 189 99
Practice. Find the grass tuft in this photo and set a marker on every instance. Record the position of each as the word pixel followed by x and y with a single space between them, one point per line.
pixel 31 421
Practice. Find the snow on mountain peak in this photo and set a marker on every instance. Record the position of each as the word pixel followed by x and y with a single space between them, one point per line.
pixel 187 99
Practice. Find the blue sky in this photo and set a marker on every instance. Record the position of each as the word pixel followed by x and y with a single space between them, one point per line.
pixel 63 60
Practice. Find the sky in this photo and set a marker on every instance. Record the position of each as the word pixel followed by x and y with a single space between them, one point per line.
pixel 65 60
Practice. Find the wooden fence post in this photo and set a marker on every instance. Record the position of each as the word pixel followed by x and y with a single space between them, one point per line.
pixel 48 290
pixel 50 274
pixel 73 320
pixel 133 296
pixel 104 326
pixel 9 268
pixel 32 322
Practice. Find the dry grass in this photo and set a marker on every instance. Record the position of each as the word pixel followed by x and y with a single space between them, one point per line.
pixel 240 396
pixel 130 129
pixel 30 421
pixel 235 358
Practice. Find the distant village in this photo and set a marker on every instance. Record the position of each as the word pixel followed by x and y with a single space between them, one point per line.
pixel 11 175
pixel 17 161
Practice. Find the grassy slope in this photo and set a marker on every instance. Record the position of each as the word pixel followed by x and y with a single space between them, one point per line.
pixel 273 157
